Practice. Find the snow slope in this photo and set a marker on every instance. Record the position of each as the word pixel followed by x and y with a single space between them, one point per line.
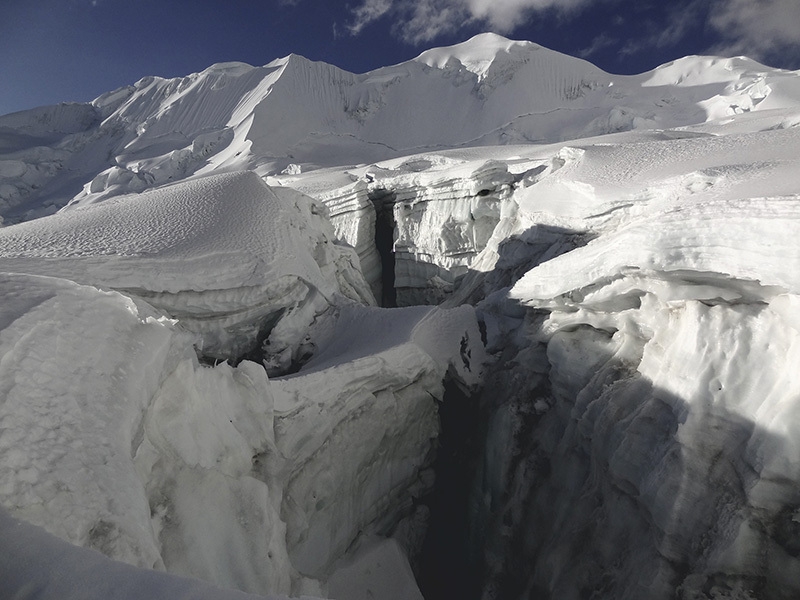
pixel 624 248
pixel 294 114
pixel 225 254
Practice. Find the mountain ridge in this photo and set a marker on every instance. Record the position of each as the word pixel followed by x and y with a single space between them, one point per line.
pixel 294 113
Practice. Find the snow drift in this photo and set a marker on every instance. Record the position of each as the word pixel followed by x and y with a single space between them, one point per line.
pixel 228 256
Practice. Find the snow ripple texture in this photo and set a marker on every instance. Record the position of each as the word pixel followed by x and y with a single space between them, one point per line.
pixel 224 253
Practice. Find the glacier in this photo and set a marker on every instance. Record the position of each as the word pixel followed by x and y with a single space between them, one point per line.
pixel 263 328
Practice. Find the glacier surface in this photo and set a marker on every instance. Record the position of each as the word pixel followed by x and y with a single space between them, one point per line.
pixel 196 376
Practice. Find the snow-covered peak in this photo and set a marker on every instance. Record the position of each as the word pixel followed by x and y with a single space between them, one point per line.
pixel 229 68
pixel 294 113
pixel 477 53
pixel 703 70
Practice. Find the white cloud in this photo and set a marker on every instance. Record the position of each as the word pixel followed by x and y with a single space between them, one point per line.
pixel 757 28
pixel 681 20
pixel 424 20
pixel 419 21
pixel 677 26
pixel 601 42
pixel 369 11
pixel 505 15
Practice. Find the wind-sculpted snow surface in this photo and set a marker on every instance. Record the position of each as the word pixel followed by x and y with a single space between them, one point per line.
pixel 225 254
pixel 633 266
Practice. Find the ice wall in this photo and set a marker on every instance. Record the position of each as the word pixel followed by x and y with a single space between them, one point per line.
pixel 115 436
pixel 440 211
pixel 645 382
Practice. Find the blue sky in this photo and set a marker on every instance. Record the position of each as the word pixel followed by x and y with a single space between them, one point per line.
pixel 74 50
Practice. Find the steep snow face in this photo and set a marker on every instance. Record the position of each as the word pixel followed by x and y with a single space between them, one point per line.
pixel 649 407
pixel 294 115
pixel 79 367
pixel 676 386
pixel 228 256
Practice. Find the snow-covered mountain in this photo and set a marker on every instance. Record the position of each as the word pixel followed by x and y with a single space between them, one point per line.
pixel 297 114
pixel 196 377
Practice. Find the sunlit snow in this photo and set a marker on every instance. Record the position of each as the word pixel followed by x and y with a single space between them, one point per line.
pixel 198 383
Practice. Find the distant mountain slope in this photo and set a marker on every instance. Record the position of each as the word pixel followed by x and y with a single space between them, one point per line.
pixel 297 114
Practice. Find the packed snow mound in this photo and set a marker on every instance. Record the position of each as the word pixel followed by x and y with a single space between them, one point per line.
pixel 225 254
pixel 676 206
pixel 296 114
pixel 365 333
pixel 211 233
pixel 712 242
pixel 57 570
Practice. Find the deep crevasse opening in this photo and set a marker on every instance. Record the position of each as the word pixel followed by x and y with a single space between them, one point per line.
pixel 383 205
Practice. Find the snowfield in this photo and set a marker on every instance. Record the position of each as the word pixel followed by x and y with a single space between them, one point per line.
pixel 223 253
pixel 221 363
